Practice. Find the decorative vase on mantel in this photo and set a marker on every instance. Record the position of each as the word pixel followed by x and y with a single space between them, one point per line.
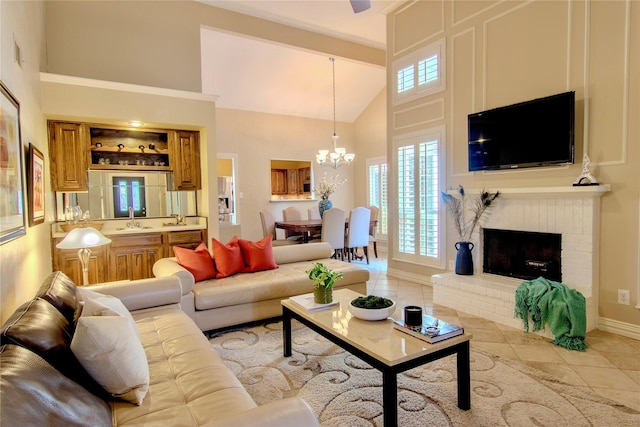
pixel 323 294
pixel 464 258
pixel 324 204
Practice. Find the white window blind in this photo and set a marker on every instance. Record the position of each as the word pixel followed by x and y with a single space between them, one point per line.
pixel 419 222
pixel 377 183
pixel 420 73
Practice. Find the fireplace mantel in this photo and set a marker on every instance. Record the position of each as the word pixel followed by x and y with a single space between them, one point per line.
pixel 564 192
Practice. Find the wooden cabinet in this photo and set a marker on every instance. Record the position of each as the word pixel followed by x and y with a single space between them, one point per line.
pixel 278 181
pixel 128 257
pixel 185 239
pixel 74 148
pixel 68 144
pixel 67 261
pixel 184 156
pixel 304 180
pixel 132 257
pixel 292 181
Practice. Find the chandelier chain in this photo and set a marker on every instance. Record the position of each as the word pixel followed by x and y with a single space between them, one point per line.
pixel 333 64
pixel 339 155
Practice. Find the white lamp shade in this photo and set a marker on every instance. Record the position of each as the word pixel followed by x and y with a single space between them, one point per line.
pixel 86 237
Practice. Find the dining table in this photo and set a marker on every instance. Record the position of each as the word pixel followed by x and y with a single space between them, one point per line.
pixel 309 227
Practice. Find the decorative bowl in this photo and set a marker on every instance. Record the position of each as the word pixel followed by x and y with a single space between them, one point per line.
pixel 371 313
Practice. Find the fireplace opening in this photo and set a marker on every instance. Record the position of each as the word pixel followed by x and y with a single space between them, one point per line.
pixel 522 254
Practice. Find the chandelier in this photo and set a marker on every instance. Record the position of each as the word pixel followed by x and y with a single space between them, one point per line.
pixel 339 155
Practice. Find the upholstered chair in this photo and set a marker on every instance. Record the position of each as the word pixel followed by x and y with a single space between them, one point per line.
pixel 333 226
pixel 358 233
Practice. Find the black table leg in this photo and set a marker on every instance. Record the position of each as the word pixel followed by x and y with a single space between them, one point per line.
pixel 286 331
pixel 390 398
pixel 464 376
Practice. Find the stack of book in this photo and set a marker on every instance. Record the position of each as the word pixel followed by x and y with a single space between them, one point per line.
pixel 306 301
pixel 433 330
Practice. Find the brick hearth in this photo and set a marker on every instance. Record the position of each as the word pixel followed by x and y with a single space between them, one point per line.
pixel 571 211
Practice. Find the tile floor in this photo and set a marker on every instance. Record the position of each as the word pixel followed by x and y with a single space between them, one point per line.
pixel 609 367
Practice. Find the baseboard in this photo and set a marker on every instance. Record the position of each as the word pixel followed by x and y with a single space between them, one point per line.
pixel 620 328
pixel 417 278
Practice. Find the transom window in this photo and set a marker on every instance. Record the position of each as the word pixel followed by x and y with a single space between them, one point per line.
pixel 419 73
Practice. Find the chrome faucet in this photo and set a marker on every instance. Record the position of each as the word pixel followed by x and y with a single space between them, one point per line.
pixel 132 222
pixel 179 219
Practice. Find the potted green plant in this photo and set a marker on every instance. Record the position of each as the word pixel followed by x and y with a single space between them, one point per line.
pixel 323 279
pixel 465 224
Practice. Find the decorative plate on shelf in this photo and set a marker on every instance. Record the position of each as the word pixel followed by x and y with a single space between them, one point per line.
pixel 372 307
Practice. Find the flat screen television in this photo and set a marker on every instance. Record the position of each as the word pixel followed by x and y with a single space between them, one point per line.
pixel 534 133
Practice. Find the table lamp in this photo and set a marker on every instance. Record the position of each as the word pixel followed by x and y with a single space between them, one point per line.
pixel 83 239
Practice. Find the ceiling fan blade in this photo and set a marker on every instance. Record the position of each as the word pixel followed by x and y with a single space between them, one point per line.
pixel 360 5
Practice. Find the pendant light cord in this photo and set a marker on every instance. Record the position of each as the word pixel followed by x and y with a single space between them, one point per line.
pixel 333 63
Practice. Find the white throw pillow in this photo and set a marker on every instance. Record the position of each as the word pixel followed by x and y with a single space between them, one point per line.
pixel 96 304
pixel 109 349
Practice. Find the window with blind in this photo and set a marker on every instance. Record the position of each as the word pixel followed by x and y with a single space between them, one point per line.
pixel 419 73
pixel 377 184
pixel 419 217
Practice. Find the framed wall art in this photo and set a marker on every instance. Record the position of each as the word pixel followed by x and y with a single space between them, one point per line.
pixel 35 186
pixel 12 215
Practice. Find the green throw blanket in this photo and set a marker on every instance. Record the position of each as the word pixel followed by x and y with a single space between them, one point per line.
pixel 554 303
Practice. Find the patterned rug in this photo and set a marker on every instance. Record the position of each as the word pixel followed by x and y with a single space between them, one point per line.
pixel 345 391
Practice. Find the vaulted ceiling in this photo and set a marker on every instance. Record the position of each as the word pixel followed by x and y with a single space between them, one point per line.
pixel 260 75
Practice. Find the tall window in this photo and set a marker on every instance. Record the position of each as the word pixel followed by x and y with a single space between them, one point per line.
pixel 418 224
pixel 420 73
pixel 128 192
pixel 377 184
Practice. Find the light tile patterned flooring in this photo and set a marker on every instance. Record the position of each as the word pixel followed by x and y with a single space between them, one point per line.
pixel 610 366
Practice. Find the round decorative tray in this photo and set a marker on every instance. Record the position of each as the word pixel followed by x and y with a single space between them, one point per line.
pixel 372 313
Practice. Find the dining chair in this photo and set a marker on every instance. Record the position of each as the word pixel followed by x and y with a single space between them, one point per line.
pixel 373 228
pixel 313 213
pixel 333 221
pixel 358 233
pixel 269 227
pixel 292 214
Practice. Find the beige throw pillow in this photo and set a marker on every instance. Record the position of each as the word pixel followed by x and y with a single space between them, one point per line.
pixel 96 304
pixel 107 345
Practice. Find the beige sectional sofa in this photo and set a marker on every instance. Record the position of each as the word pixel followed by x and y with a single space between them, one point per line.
pixel 42 382
pixel 246 297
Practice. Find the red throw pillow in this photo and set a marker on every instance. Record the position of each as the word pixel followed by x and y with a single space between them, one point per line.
pixel 227 258
pixel 198 261
pixel 258 255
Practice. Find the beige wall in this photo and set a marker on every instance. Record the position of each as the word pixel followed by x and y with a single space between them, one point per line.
pixel 130 41
pixel 499 53
pixel 371 141
pixel 26 261
pixel 257 138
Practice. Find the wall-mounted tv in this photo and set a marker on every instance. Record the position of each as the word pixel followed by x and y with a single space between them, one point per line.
pixel 534 133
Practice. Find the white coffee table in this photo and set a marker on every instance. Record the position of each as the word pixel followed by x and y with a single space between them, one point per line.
pixel 381 346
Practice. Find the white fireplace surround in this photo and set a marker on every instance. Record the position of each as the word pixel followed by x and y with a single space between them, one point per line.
pixel 573 212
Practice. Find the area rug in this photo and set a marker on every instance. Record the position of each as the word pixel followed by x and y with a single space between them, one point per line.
pixel 345 391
